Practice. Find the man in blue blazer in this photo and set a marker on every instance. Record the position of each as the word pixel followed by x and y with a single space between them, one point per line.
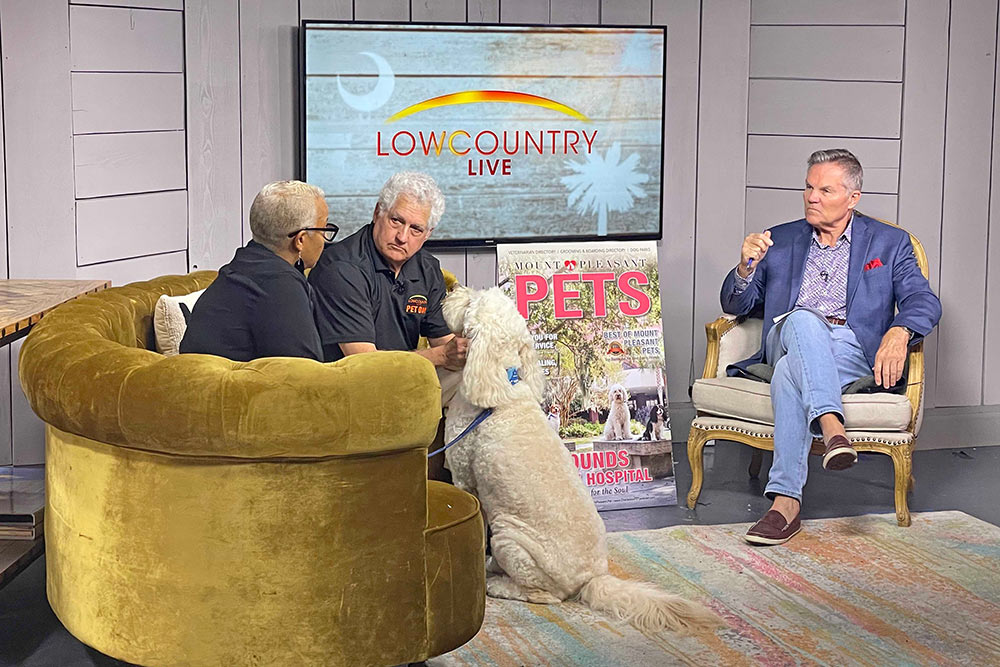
pixel 828 288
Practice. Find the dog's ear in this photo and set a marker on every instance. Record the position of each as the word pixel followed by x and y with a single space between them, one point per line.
pixel 484 379
pixel 454 307
pixel 529 370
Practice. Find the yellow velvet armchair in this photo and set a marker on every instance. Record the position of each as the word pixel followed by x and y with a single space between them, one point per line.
pixel 739 409
pixel 201 511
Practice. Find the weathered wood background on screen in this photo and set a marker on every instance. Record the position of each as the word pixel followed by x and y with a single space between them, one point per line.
pixel 614 77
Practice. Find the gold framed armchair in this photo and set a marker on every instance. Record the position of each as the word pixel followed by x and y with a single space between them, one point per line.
pixel 739 409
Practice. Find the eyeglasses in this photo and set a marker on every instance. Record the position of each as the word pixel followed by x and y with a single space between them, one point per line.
pixel 329 232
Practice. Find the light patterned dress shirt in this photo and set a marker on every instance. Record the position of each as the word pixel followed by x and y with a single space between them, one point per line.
pixel 824 279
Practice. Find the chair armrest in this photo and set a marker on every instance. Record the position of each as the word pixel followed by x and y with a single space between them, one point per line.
pixel 730 339
pixel 915 386
pixel 714 331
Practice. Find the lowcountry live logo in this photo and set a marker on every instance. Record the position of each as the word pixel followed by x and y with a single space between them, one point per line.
pixel 490 145
pixel 416 304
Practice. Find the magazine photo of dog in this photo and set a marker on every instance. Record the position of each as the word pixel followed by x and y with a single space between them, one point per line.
pixel 548 542
pixel 656 425
pixel 619 416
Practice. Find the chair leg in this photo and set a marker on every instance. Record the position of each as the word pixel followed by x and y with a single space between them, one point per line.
pixel 756 461
pixel 902 463
pixel 696 443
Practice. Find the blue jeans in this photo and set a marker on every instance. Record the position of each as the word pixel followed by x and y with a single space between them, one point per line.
pixel 812 360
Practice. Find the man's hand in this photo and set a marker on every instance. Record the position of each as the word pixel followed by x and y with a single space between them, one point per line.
pixel 754 247
pixel 890 357
pixel 453 353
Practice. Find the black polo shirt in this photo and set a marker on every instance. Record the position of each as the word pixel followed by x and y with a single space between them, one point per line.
pixel 258 306
pixel 360 300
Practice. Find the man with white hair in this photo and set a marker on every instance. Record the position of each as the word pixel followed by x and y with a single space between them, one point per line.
pixel 378 289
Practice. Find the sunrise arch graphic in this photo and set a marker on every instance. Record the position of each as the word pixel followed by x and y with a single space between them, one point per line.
pixel 476 96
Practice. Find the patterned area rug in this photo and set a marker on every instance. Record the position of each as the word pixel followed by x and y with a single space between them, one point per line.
pixel 851 591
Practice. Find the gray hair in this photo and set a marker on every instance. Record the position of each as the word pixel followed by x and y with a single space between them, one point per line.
pixel 418 186
pixel 853 174
pixel 280 208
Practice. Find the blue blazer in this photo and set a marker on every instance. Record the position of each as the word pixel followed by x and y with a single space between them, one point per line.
pixel 875 289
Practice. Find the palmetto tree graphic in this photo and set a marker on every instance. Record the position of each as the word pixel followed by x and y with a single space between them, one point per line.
pixel 604 184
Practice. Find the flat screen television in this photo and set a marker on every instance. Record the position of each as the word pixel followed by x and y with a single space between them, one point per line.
pixel 533 133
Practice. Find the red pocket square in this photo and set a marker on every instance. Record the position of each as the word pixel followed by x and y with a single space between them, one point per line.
pixel 874 264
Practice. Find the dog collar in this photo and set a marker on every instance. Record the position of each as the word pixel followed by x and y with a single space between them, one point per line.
pixel 512 376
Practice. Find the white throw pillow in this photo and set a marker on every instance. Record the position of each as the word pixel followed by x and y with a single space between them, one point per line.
pixel 169 324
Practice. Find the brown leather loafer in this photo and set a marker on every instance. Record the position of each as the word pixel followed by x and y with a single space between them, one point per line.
pixel 839 454
pixel 773 529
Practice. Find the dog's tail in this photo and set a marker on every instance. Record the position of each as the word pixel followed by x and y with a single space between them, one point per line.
pixel 645 606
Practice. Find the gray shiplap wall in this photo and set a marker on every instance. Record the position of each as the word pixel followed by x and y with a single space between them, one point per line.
pixel 153 133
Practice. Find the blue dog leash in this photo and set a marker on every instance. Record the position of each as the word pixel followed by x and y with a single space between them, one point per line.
pixel 513 378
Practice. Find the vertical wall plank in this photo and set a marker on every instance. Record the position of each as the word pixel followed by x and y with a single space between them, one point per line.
pixel 921 164
pixel 483 11
pixel 215 209
pixel 722 140
pixel 454 261
pixel 991 351
pixel 524 11
pixel 38 138
pixel 625 12
pixel 6 452
pixel 382 10
pixel 268 95
pixel 584 12
pixel 327 10
pixel 445 11
pixel 38 125
pixel 676 250
pixel 482 268
pixel 971 70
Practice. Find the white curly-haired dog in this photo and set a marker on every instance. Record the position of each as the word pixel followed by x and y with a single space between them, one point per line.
pixel 619 416
pixel 548 541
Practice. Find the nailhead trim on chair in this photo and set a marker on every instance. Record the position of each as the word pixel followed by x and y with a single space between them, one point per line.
pixel 712 426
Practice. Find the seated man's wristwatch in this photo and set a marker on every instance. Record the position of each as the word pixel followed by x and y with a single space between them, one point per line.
pixel 908 331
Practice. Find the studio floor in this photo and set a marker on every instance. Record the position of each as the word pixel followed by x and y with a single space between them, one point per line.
pixel 946 479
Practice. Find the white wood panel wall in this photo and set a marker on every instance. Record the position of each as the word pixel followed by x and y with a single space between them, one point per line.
pixel 268 95
pixel 129 143
pixel 721 162
pixel 991 346
pixel 6 451
pixel 753 86
pixel 967 155
pixel 921 164
pixel 119 102
pixel 38 150
pixel 214 160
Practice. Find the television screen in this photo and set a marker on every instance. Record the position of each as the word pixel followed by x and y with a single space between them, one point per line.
pixel 532 132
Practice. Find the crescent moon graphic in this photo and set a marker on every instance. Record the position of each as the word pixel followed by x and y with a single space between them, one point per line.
pixel 378 95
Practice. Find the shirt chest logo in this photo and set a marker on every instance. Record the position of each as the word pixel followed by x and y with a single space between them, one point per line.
pixel 416 304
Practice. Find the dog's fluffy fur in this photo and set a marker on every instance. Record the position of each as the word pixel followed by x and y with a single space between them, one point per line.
pixel 619 416
pixel 548 541
pixel 655 424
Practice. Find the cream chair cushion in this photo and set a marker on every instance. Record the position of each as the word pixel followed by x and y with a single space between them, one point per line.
pixel 741 398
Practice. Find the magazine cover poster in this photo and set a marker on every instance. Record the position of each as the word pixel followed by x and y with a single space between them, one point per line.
pixel 593 310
